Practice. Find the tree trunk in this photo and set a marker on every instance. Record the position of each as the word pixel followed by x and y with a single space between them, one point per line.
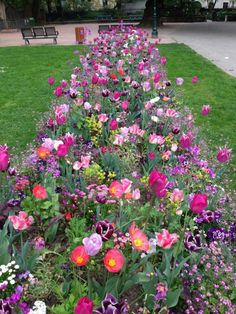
pixel 148 12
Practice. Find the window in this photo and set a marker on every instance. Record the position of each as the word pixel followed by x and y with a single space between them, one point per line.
pixel 225 5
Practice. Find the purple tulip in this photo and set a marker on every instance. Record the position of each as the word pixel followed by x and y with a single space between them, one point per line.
pixel 110 305
pixel 179 81
pixel 192 242
pixel 5 307
pixel 105 229
pixel 92 244
pixel 4 158
pixel 207 216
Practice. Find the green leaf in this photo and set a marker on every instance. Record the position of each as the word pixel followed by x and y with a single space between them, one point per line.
pixel 173 297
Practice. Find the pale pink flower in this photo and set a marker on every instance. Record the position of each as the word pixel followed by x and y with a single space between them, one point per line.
pixel 102 117
pixel 85 160
pixel 174 147
pixel 22 221
pixel 136 194
pixel 126 185
pixel 177 196
pixel 133 129
pixel 97 107
pixel 141 133
pixel 119 140
pixel 153 138
pixel 48 143
pixel 159 112
pixel 87 106
pixel 165 239
pixel 170 113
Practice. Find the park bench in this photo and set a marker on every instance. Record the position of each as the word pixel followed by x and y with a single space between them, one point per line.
pixel 46 32
pixel 104 18
pixel 120 29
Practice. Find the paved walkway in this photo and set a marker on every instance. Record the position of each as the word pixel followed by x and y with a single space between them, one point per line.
pixel 214 40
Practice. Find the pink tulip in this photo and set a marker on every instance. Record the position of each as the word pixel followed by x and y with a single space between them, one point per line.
pixel 195 79
pixel 22 221
pixel 125 105
pixel 223 155
pixel 163 60
pixel 102 117
pixel 62 150
pixel 51 80
pixel 199 203
pixel 94 79
pixel 158 183
pixel 84 306
pixel 157 78
pixel 165 239
pixel 126 185
pixel 185 141
pixel 113 125
pixel 69 139
pixel 58 91
pixel 4 158
pixel 206 109
pixel 177 196
pixel 119 140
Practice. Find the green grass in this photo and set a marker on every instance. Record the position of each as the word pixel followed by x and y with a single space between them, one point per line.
pixel 215 88
pixel 25 93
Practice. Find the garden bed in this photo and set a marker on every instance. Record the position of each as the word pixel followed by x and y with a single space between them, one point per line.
pixel 116 207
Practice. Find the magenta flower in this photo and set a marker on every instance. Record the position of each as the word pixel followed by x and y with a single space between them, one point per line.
pixel 165 239
pixel 224 155
pixel 195 79
pixel 51 80
pixel 4 158
pixel 206 109
pixel 58 91
pixel 92 244
pixel 62 150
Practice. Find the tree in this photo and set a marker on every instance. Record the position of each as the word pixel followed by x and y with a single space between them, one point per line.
pixel 148 12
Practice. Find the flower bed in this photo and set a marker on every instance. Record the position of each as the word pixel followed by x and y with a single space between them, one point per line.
pixel 116 208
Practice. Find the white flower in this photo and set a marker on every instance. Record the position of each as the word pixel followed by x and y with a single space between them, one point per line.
pixel 154 119
pixel 38 308
pixel 154 100
pixel 12 282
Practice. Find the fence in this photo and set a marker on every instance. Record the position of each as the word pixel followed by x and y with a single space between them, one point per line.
pixel 13 24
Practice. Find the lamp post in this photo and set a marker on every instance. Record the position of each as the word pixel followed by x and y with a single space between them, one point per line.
pixel 154 22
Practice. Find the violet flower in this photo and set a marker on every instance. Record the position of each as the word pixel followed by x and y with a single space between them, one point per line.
pixel 217 234
pixel 5 307
pixel 192 242
pixel 105 229
pixel 110 305
pixel 92 244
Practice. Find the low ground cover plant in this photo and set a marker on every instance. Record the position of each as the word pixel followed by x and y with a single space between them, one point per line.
pixel 118 206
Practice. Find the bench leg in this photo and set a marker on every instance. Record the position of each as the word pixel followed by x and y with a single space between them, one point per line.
pixel 55 41
pixel 27 42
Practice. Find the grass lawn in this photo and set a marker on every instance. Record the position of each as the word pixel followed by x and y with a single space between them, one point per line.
pixel 215 88
pixel 25 93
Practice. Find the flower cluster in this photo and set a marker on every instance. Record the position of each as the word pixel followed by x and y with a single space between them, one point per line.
pixel 119 180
